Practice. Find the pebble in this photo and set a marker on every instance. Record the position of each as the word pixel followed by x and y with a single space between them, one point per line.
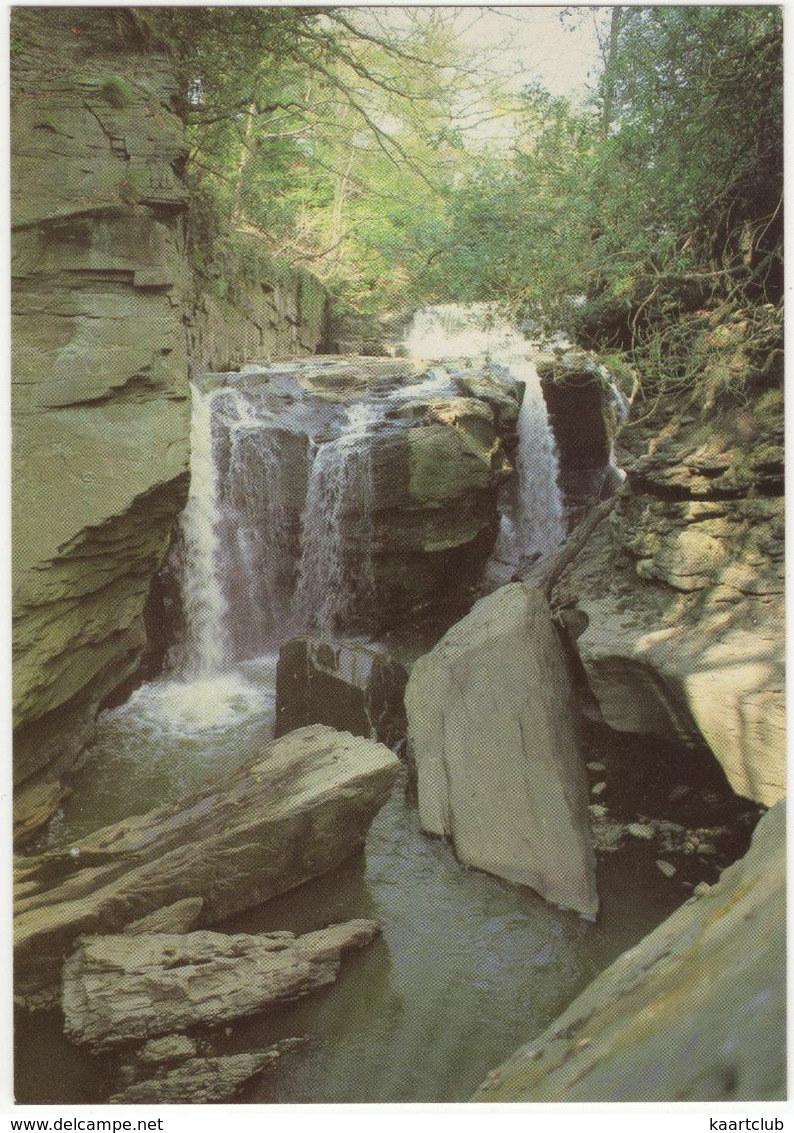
pixel 597 810
pixel 667 869
pixel 597 788
pixel 596 766
pixel 638 830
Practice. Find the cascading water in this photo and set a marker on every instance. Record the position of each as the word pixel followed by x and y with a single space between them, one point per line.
pixel 255 554
pixel 541 514
pixel 336 586
pixel 202 597
pixel 477 334
pixel 400 1026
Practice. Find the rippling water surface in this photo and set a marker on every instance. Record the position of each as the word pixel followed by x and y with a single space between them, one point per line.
pixel 468 967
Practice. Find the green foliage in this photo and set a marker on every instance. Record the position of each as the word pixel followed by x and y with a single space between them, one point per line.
pixel 324 132
pixel 664 200
pixel 339 139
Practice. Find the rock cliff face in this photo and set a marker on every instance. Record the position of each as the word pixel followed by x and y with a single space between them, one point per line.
pixel 254 308
pixel 585 413
pixel 99 405
pixel 677 598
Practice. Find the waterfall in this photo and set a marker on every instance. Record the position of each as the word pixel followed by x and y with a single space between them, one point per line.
pixel 457 330
pixel 336 585
pixel 477 333
pixel 202 596
pixel 256 559
pixel 541 513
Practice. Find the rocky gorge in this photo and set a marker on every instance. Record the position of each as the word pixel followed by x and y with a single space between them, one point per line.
pixel 264 594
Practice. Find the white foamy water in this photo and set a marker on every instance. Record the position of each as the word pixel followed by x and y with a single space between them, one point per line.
pixel 175 708
pixel 457 330
pixel 202 596
pixel 335 575
pixel 541 513
pixel 479 335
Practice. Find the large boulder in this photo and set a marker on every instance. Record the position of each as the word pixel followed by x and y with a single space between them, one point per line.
pixel 119 989
pixel 492 731
pixel 379 473
pixel 297 811
pixel 100 406
pixel 695 1012
pixel 348 686
pixel 677 598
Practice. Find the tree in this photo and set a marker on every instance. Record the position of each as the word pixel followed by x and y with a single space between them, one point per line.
pixel 324 131
pixel 662 200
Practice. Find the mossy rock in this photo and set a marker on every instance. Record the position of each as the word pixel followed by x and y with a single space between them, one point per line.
pixel 116 92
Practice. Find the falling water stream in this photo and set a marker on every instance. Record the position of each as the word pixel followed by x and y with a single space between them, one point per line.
pixel 335 580
pixel 468 966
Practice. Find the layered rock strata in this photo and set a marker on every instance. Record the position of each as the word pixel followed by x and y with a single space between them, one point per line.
pixel 106 321
pixel 252 307
pixel 198 1079
pixel 119 989
pixel 695 1012
pixel 99 394
pixel 296 812
pixel 675 604
pixel 499 766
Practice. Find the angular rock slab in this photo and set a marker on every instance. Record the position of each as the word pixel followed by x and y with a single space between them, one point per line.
pixel 119 989
pixel 696 1012
pixel 203 1078
pixel 294 813
pixel 500 771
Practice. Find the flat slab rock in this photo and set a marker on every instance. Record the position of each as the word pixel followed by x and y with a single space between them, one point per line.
pixel 296 811
pixel 120 989
pixel 199 1079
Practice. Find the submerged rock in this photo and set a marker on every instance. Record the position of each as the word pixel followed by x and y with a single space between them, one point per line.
pixel 347 686
pixel 203 1078
pixel 301 808
pixel 499 766
pixel 695 1012
pixel 117 989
